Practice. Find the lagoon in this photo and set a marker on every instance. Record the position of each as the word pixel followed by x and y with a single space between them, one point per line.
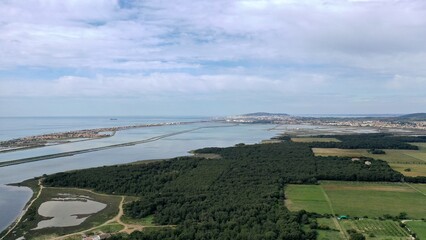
pixel 215 134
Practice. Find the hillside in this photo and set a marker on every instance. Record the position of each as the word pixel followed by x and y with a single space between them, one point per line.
pixel 414 116
pixel 263 114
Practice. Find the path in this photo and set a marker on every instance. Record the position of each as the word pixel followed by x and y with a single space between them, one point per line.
pixel 114 219
pixel 25 210
pixel 418 190
pixel 342 231
pixel 128 228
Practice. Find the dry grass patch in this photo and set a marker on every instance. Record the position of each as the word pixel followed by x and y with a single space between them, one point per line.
pixel 398 159
pixel 415 169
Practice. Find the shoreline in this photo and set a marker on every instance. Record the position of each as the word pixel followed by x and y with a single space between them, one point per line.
pixel 72 153
pixel 38 141
pixel 36 187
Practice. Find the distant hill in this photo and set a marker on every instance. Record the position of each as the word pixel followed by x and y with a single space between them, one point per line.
pixel 413 116
pixel 261 114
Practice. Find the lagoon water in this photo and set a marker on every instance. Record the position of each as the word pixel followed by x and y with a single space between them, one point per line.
pixel 13 199
pixel 65 213
pixel 205 134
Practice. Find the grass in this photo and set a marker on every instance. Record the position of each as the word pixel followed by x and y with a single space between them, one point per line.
pixel 331 234
pixel 375 199
pixel 307 197
pixel 398 159
pixel 358 199
pixel 419 187
pixel 415 169
pixel 380 229
pixel 32 218
pixel 419 227
pixel 147 221
pixel 110 228
pixel 314 139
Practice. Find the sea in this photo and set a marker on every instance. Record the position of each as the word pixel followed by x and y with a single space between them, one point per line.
pixel 174 140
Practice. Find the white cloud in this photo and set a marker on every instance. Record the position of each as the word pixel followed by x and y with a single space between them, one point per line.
pixel 160 83
pixel 177 34
pixel 400 82
pixel 287 47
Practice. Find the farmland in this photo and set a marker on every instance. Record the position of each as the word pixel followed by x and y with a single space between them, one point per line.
pixel 333 233
pixel 377 229
pixel 367 199
pixel 419 227
pixel 308 197
pixel 408 162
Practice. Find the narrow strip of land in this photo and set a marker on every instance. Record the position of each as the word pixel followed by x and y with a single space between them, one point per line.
pixel 25 210
pixel 72 153
pixel 418 190
pixel 334 214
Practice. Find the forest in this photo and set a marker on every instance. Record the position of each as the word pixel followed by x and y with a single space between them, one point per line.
pixel 238 196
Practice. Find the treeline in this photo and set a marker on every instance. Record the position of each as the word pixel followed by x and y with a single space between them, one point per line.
pixel 370 141
pixel 239 196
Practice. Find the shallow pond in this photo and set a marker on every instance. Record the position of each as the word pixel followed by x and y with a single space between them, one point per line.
pixel 67 212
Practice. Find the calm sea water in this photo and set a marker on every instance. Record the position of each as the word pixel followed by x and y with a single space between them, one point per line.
pixel 13 199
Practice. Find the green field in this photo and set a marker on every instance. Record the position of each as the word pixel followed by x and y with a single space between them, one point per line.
pixel 419 227
pixel 377 229
pixel 332 234
pixel 314 139
pixel 398 159
pixel 366 199
pixel 307 197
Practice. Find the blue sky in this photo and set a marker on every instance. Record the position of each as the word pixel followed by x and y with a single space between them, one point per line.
pixel 204 57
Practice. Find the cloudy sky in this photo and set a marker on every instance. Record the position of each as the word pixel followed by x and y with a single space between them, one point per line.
pixel 204 57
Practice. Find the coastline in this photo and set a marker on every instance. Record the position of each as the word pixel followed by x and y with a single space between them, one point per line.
pixel 31 184
pixel 35 185
pixel 57 138
pixel 231 141
pixel 72 153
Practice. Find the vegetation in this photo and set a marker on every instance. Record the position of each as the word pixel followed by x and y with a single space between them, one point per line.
pixel 370 141
pixel 398 159
pixel 377 229
pixel 239 195
pixel 376 151
pixel 418 227
pixel 236 197
pixel 367 199
pixel 314 139
pixel 31 218
pixel 306 197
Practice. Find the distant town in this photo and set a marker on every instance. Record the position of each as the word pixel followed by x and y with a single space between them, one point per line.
pixel 413 122
pixel 71 136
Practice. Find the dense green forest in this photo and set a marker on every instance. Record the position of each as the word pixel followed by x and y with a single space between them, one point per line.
pixel 239 196
pixel 368 141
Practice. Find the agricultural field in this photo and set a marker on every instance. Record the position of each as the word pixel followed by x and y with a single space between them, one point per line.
pixel 332 234
pixel 419 227
pixel 367 199
pixel 419 187
pixel 377 229
pixel 307 197
pixel 410 170
pixel 313 139
pixel 408 162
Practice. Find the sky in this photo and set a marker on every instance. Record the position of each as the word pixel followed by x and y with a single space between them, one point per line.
pixel 204 57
